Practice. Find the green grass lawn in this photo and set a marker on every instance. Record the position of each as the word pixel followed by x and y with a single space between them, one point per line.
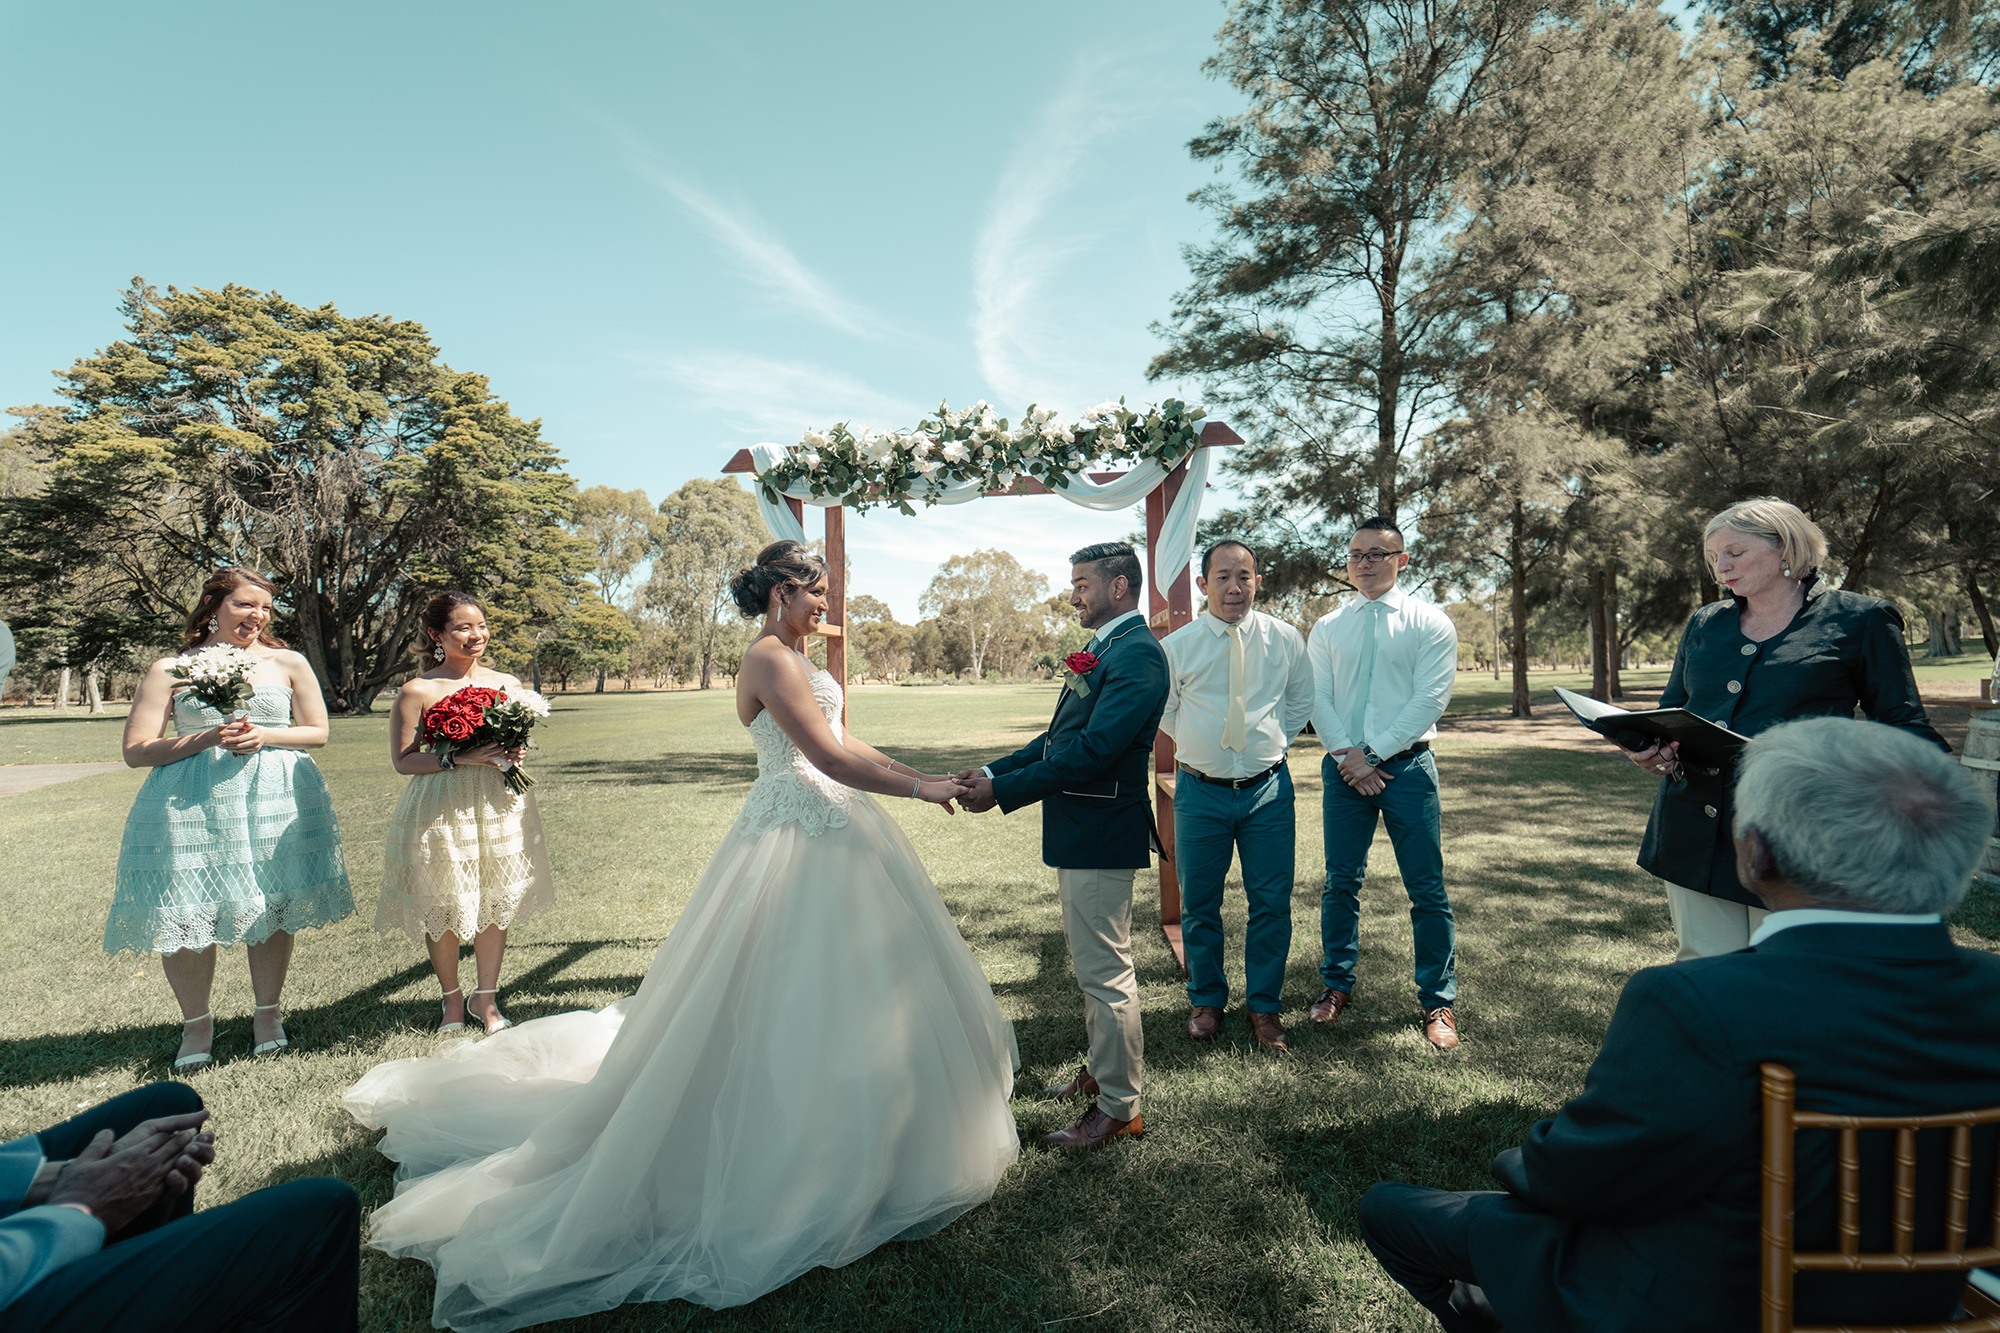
pixel 1236 1212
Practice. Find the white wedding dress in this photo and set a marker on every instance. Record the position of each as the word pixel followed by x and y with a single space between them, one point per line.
pixel 814 1065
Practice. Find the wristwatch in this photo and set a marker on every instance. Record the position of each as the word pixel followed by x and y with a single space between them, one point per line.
pixel 1370 758
pixel 445 760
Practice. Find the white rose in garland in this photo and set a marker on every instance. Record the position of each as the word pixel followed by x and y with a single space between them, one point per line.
pixel 974 445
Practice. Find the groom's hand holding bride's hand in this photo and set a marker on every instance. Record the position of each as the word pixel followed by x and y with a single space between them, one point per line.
pixel 941 791
pixel 978 795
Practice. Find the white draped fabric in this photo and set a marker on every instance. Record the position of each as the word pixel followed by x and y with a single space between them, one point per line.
pixel 1173 552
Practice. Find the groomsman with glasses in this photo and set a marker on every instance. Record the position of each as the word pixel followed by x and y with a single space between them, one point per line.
pixel 1239 692
pixel 1383 667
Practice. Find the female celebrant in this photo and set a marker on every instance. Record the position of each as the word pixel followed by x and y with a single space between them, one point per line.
pixel 814 1064
pixel 464 854
pixel 1781 646
pixel 232 838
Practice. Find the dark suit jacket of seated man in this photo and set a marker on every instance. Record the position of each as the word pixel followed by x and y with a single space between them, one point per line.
pixel 1637 1207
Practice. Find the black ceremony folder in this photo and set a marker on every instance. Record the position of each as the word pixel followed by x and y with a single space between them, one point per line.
pixel 1701 741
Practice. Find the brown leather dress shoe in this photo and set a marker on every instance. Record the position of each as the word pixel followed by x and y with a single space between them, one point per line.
pixel 1095 1130
pixel 1441 1027
pixel 1083 1085
pixel 1329 1004
pixel 1269 1031
pixel 1204 1022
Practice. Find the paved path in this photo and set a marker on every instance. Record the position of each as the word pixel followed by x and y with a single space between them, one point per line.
pixel 17 778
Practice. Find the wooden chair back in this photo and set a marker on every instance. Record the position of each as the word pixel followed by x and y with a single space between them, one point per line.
pixel 1782 1120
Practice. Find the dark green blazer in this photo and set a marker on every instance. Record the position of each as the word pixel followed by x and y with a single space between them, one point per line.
pixel 1635 1210
pixel 1842 649
pixel 1092 769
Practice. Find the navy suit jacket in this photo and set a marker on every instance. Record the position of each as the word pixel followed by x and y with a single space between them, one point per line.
pixel 1092 768
pixel 1636 1207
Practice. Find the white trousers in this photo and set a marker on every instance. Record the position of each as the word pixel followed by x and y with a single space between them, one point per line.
pixel 1709 926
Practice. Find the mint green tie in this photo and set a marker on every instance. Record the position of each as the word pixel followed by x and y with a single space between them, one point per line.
pixel 1357 712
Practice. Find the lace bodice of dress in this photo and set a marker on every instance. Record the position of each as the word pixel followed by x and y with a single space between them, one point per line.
pixel 270 706
pixel 789 790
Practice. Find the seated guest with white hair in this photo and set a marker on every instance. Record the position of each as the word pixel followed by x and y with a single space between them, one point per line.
pixel 98 1231
pixel 1637 1206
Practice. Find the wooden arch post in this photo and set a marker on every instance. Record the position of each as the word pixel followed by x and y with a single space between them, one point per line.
pixel 1167 609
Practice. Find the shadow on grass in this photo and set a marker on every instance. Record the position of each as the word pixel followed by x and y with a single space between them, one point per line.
pixel 363 1015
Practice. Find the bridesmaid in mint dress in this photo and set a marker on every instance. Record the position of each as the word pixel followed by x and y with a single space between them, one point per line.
pixel 232 839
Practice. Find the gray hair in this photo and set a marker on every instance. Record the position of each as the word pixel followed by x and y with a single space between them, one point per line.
pixel 1862 815
pixel 1800 543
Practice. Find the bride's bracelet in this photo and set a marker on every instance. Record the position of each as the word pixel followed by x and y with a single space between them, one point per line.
pixel 916 785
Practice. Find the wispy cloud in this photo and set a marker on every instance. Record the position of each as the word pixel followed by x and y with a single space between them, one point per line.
pixel 1023 328
pixel 774 399
pixel 759 252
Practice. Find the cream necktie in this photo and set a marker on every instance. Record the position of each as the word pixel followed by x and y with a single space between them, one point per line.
pixel 1357 708
pixel 1235 731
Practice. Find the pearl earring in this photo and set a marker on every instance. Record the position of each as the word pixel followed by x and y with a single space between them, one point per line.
pixel 1788 571
pixel 438 652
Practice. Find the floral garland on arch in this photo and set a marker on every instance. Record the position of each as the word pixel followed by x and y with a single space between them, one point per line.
pixel 972 444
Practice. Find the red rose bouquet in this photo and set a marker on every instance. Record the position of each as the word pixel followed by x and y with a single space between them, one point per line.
pixel 1080 665
pixel 478 715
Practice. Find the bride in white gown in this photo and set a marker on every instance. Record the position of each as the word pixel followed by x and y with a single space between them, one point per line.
pixel 814 1064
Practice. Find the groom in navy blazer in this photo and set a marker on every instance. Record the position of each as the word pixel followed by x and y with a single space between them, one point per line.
pixel 1091 770
pixel 1637 1207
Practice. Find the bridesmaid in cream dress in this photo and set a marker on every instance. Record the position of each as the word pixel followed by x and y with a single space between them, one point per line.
pixel 814 1065
pixel 464 855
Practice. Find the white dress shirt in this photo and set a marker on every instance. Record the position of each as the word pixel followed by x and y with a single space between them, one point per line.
pixel 1416 661
pixel 1277 693
pixel 1825 916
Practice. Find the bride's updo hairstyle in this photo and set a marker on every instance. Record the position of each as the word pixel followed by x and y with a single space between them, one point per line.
pixel 778 565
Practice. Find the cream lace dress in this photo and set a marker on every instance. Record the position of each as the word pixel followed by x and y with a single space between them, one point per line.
pixel 464 853
pixel 813 1066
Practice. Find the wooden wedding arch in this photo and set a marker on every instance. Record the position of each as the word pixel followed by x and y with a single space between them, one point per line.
pixel 1167 610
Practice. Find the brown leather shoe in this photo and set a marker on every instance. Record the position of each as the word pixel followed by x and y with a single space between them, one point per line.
pixel 1329 1004
pixel 1269 1031
pixel 1204 1022
pixel 1083 1085
pixel 1095 1130
pixel 1441 1027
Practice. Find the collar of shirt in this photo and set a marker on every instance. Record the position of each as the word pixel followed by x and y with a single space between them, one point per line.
pixel 1220 627
pixel 1829 916
pixel 1392 600
pixel 1104 630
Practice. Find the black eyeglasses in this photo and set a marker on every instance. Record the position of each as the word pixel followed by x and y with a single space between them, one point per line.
pixel 1370 557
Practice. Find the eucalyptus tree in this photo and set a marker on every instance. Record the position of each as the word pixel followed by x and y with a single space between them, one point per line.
pixel 337 454
pixel 706 532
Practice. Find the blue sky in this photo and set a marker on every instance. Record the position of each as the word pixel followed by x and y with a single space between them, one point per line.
pixel 668 230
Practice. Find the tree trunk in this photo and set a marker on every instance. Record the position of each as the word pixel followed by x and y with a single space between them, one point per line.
pixel 708 655
pixel 1944 635
pixel 1600 653
pixel 93 690
pixel 600 681
pixel 1982 611
pixel 62 688
pixel 1517 562
pixel 1614 646
pixel 535 667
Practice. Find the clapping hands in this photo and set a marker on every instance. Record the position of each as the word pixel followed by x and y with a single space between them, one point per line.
pixel 118 1181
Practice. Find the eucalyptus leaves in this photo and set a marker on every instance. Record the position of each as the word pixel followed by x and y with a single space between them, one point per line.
pixel 973 445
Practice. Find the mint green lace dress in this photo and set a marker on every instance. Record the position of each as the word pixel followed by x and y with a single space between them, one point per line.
pixel 225 849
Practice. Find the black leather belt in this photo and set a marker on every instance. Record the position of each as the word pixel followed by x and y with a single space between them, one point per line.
pixel 1234 784
pixel 1410 753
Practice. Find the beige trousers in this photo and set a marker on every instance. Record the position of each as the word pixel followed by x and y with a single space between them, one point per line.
pixel 1709 926
pixel 1097 922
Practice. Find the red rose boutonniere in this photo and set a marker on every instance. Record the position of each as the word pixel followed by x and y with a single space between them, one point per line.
pixel 1080 665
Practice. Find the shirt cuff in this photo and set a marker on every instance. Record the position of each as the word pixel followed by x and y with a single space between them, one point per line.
pixel 986 771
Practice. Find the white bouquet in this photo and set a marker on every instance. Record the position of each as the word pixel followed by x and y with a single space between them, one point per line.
pixel 219 677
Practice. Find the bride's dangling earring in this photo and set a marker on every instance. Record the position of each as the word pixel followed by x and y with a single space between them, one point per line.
pixel 212 626
pixel 438 652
